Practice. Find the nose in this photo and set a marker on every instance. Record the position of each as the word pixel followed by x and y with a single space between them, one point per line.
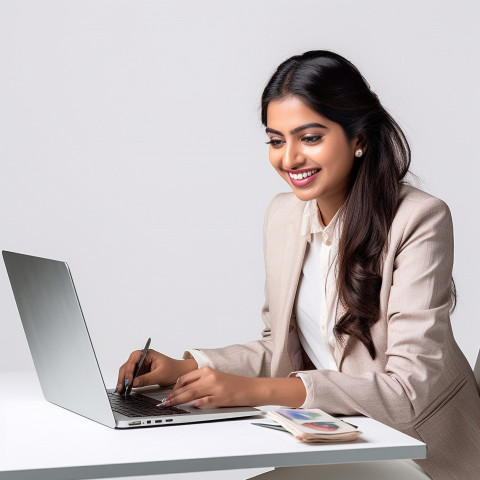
pixel 292 157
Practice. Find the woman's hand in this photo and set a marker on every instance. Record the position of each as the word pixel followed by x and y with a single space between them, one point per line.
pixel 207 387
pixel 211 388
pixel 157 369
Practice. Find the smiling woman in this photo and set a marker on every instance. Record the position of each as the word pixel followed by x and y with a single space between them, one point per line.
pixel 358 289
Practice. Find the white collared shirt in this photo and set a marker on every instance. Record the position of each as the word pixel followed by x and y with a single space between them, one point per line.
pixel 317 296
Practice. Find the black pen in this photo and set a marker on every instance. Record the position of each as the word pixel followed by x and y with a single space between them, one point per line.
pixel 348 423
pixel 138 366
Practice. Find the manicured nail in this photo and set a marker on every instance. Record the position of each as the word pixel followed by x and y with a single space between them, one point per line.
pixel 116 389
pixel 126 382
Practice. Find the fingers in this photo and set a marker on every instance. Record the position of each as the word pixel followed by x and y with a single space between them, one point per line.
pixel 146 379
pixel 207 387
pixel 127 369
pixel 182 397
pixel 204 402
pixel 188 378
pixel 191 386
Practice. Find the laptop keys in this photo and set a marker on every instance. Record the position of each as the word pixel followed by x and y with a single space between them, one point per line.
pixel 137 405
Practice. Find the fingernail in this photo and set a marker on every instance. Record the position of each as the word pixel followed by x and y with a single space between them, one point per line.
pixel 116 389
pixel 126 382
pixel 165 404
pixel 168 396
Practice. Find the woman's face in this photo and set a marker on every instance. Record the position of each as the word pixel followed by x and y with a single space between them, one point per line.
pixel 307 144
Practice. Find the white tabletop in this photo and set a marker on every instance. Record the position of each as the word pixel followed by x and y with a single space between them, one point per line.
pixel 39 440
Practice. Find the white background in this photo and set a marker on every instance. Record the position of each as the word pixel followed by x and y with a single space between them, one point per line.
pixel 131 147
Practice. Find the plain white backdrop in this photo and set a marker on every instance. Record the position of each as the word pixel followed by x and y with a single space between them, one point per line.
pixel 131 147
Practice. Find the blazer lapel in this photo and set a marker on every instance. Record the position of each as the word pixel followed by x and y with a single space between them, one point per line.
pixel 292 255
pixel 289 260
pixel 288 324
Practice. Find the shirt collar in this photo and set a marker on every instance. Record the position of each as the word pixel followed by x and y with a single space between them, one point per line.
pixel 312 223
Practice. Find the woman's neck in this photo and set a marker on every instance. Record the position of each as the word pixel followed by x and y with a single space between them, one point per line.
pixel 328 210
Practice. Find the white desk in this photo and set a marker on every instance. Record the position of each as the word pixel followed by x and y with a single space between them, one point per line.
pixel 39 441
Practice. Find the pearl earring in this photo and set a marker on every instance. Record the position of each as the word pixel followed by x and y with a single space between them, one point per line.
pixel 358 153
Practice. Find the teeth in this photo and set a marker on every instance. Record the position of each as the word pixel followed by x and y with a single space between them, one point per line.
pixel 299 176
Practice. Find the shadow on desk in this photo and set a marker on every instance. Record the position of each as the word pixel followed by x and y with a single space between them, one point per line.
pixel 380 470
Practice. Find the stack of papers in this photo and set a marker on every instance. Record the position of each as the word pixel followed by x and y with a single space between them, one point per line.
pixel 314 425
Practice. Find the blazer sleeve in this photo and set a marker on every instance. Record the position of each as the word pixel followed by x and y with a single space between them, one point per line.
pixel 252 359
pixel 418 324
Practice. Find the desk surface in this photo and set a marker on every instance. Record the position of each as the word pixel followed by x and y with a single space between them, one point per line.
pixel 39 440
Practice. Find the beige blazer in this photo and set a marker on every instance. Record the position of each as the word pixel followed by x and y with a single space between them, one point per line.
pixel 420 383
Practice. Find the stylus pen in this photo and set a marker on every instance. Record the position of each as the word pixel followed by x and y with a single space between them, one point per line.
pixel 138 366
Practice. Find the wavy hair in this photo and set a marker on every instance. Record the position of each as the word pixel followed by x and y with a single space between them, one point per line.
pixel 333 87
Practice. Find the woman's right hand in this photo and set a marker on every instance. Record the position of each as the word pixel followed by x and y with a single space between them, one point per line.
pixel 157 369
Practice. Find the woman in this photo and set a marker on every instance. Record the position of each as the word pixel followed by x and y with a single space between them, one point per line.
pixel 358 279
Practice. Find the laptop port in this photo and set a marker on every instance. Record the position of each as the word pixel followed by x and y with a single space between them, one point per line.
pixel 169 420
pixel 149 421
pixel 138 422
pixel 158 421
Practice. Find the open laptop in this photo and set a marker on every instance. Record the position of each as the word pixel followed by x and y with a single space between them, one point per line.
pixel 64 358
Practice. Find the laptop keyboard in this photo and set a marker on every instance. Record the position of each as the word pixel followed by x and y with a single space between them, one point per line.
pixel 137 405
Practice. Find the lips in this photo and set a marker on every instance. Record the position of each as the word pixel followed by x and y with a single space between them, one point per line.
pixel 307 177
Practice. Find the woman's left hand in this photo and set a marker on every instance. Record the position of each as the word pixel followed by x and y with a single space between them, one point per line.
pixel 211 388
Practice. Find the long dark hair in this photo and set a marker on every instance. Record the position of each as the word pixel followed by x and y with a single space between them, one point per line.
pixel 333 87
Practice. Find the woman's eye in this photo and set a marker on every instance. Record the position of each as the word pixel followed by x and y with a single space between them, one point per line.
pixel 312 138
pixel 274 142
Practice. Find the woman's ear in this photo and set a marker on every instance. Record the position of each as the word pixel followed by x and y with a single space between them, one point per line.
pixel 362 143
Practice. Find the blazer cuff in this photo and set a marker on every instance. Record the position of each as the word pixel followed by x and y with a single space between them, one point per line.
pixel 308 383
pixel 201 359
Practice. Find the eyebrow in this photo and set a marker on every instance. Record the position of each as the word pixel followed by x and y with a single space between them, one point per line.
pixel 296 129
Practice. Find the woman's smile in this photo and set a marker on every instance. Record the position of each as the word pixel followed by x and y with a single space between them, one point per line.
pixel 301 178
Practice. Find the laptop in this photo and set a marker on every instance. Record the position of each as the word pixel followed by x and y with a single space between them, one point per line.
pixel 65 360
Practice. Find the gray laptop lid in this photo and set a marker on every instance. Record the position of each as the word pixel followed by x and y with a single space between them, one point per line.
pixel 57 336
